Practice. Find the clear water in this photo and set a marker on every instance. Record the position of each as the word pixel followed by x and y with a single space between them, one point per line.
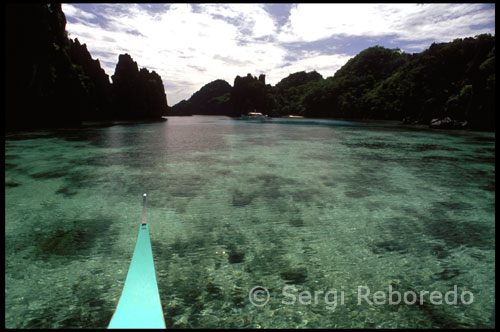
pixel 290 205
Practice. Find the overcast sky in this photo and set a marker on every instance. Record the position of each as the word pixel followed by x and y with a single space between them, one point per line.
pixel 190 45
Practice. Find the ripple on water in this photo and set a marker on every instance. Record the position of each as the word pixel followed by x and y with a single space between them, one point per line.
pixel 236 205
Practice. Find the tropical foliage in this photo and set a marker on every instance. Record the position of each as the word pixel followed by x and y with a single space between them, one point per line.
pixel 455 80
pixel 52 80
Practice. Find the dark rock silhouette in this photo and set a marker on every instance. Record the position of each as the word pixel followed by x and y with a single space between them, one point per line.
pixel 249 94
pixel 288 94
pixel 42 86
pixel 125 93
pixel 211 99
pixel 98 104
pixel 182 108
pixel 52 81
pixel 137 94
pixel 454 81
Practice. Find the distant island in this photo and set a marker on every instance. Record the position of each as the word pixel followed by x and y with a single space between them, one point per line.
pixel 52 81
pixel 449 85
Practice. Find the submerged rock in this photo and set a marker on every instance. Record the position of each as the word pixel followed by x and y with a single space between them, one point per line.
pixel 241 199
pixel 236 257
pixel 412 120
pixel 446 274
pixel 448 123
pixel 294 275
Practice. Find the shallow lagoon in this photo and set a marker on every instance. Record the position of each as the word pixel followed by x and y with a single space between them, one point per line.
pixel 291 205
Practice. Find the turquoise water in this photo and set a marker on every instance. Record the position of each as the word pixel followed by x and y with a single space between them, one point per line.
pixel 291 205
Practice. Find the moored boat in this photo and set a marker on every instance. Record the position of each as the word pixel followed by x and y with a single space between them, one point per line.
pixel 255 116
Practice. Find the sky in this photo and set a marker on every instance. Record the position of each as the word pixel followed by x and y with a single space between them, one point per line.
pixel 190 45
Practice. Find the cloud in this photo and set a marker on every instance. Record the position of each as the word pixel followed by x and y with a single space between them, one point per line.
pixel 326 65
pixel 190 45
pixel 441 22
pixel 181 43
pixel 253 20
pixel 75 13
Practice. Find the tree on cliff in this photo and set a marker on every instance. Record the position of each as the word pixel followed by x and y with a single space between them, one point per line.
pixel 289 92
pixel 345 94
pixel 454 79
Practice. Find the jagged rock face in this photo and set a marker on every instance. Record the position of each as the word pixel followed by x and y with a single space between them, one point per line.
pixel 137 94
pixel 53 81
pixel 43 88
pixel 248 94
pixel 92 68
pixel 98 103
pixel 126 69
pixel 125 95
pixel 158 97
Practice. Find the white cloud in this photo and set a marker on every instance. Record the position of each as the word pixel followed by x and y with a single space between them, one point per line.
pixel 310 22
pixel 189 48
pixel 76 13
pixel 251 17
pixel 180 42
pixel 440 22
pixel 326 65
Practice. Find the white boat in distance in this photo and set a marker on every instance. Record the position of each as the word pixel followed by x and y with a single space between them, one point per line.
pixel 255 116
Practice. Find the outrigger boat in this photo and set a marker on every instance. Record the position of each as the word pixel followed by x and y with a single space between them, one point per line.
pixel 255 116
pixel 139 305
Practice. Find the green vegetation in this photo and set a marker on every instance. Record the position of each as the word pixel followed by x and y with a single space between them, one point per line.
pixel 249 94
pixel 455 80
pixel 352 91
pixel 288 95
pixel 53 81
pixel 211 99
